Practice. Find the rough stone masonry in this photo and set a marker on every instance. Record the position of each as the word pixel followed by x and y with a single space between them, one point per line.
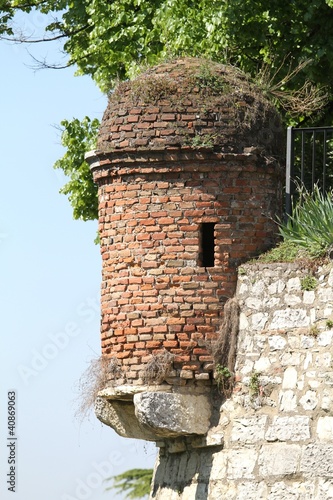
pixel 274 436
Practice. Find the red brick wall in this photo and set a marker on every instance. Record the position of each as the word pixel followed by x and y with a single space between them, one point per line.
pixel 154 294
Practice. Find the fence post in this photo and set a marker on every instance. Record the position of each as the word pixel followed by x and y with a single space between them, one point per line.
pixel 289 169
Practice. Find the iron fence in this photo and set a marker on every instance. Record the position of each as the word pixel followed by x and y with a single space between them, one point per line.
pixel 309 160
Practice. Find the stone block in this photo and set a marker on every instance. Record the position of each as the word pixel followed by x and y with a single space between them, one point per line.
pixel 289 378
pixel 276 342
pixel 121 417
pixel 258 288
pixel 289 318
pixel 287 401
pixel 276 287
pixel 241 463
pixel 249 429
pixel 253 303
pixel 325 338
pixel 252 491
pixel 243 322
pixel 317 460
pixel 293 284
pixel 291 299
pixel 323 360
pixel 325 295
pixel 309 401
pixel 307 342
pixel 259 321
pixel 308 297
pixel 327 400
pixel 290 358
pixel 304 490
pixel 172 415
pixel 324 489
pixel 279 459
pixel 325 428
pixel 328 378
pixel 188 374
pixel 308 360
pixel 294 428
pixel 262 365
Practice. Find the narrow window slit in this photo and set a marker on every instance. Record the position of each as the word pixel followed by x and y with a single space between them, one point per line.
pixel 207 244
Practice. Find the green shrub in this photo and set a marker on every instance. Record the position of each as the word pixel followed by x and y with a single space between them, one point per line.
pixel 311 224
pixel 308 283
pixel 329 324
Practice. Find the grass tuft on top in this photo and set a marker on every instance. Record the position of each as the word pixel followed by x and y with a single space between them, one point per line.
pixel 285 251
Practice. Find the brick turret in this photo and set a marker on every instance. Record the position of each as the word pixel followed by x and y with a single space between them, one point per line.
pixel 189 181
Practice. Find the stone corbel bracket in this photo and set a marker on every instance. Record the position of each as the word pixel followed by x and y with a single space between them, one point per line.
pixel 154 413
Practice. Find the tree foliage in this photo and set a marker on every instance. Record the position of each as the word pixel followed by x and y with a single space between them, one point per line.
pixel 286 46
pixel 78 138
pixel 136 482
pixel 108 40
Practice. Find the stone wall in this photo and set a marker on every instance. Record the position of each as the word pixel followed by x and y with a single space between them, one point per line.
pixel 274 437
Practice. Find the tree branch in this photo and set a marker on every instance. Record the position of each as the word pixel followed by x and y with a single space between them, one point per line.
pixel 65 34
pixel 44 65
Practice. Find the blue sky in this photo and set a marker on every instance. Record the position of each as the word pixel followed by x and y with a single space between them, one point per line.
pixel 50 273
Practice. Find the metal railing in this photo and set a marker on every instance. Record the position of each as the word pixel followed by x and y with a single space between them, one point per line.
pixel 309 160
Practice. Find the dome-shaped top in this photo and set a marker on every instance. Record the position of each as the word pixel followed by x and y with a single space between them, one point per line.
pixel 190 103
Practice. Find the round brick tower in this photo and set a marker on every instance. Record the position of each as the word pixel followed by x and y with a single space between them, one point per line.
pixel 187 166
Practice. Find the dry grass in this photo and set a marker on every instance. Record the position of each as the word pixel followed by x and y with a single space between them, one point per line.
pixel 224 350
pixel 100 373
pixel 305 100
pixel 157 368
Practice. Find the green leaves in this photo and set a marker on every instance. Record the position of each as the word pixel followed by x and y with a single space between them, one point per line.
pixel 79 138
pixel 311 223
pixel 110 40
pixel 136 482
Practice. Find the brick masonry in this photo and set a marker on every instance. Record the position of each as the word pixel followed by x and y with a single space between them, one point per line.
pixel 190 102
pixel 155 295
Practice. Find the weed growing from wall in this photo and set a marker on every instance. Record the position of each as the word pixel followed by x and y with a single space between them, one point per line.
pixel 309 283
pixel 224 379
pixel 254 384
pixel 203 141
pixel 209 82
